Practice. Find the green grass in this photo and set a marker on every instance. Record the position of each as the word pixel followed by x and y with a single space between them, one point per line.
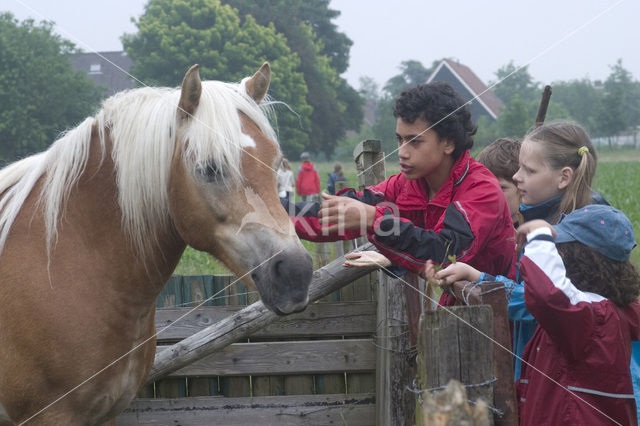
pixel 617 179
pixel 619 182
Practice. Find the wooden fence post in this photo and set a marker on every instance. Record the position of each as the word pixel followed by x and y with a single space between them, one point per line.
pixel 452 345
pixel 369 160
pixel 504 391
pixel 394 405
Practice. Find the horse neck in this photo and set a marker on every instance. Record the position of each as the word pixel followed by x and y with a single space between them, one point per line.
pixel 93 207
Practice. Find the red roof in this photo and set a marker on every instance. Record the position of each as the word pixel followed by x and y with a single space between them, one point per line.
pixel 473 82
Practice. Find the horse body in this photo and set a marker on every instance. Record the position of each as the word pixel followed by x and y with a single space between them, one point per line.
pixel 79 280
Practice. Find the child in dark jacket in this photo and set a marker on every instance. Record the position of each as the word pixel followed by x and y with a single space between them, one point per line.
pixel 583 292
pixel 336 176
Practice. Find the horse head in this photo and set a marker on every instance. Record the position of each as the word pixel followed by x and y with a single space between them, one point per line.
pixel 222 191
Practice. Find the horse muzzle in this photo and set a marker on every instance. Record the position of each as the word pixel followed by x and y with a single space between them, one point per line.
pixel 283 283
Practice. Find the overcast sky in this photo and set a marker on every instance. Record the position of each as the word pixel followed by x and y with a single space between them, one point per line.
pixel 560 39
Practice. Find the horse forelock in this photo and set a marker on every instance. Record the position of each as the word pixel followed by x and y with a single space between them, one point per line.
pixel 142 127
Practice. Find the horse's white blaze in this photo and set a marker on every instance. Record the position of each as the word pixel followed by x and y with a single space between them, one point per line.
pixel 247 141
pixel 261 215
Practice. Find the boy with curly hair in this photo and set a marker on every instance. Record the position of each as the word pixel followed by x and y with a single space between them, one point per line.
pixel 442 204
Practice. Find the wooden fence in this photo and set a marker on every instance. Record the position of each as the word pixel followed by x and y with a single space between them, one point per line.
pixel 315 367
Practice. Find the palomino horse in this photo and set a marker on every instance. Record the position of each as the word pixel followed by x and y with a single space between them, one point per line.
pixel 91 229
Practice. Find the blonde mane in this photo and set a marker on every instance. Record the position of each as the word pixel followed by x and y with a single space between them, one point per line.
pixel 142 127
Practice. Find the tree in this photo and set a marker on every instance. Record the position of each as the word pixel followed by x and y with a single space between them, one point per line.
pixel 40 94
pixel 512 81
pixel 324 54
pixel 619 107
pixel 368 89
pixel 412 73
pixel 580 98
pixel 286 14
pixel 175 34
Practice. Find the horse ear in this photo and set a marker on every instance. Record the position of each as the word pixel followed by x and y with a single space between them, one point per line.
pixel 258 85
pixel 191 91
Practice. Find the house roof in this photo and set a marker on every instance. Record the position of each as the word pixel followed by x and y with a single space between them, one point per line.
pixel 472 82
pixel 106 68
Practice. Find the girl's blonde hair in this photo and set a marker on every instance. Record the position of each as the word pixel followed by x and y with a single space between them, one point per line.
pixel 284 164
pixel 568 145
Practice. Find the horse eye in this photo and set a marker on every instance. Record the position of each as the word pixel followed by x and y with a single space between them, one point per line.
pixel 211 173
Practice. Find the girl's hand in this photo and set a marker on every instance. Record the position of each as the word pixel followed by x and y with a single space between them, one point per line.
pixel 364 259
pixel 458 271
pixel 527 227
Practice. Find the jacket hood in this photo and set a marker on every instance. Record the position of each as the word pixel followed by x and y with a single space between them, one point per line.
pixel 307 166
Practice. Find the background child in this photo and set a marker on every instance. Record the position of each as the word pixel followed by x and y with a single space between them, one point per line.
pixel 582 290
pixel 308 181
pixel 336 176
pixel 501 158
pixel 285 180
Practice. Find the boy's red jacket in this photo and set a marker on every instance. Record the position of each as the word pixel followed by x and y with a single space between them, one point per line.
pixel 577 362
pixel 468 217
pixel 308 181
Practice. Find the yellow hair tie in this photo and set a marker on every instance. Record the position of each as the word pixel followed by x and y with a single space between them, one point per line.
pixel 582 150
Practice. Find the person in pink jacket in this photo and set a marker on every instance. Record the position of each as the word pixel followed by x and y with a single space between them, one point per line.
pixel 308 181
pixel 582 289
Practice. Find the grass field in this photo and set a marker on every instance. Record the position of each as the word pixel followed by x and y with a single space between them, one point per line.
pixel 617 178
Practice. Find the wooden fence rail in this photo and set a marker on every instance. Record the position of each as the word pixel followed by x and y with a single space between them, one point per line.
pixel 243 323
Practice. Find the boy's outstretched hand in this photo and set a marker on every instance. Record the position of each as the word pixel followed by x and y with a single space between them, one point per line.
pixel 344 213
pixel 364 259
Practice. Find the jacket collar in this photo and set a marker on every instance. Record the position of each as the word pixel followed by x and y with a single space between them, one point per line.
pixel 545 210
pixel 456 177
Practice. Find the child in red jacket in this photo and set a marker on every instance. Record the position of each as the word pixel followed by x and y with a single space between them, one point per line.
pixel 582 290
pixel 443 203
pixel 308 181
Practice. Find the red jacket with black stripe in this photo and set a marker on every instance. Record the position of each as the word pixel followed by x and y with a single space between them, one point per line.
pixel 468 217
pixel 575 368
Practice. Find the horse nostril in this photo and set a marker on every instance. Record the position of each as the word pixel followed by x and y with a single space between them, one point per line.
pixel 254 277
pixel 279 268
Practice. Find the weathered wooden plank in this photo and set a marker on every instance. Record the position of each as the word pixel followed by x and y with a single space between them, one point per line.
pixel 394 358
pixel 273 358
pixel 354 410
pixel 450 347
pixel 268 385
pixel 172 295
pixel 369 160
pixel 504 390
pixel 194 291
pixel 248 320
pixel 319 319
pixel 494 294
